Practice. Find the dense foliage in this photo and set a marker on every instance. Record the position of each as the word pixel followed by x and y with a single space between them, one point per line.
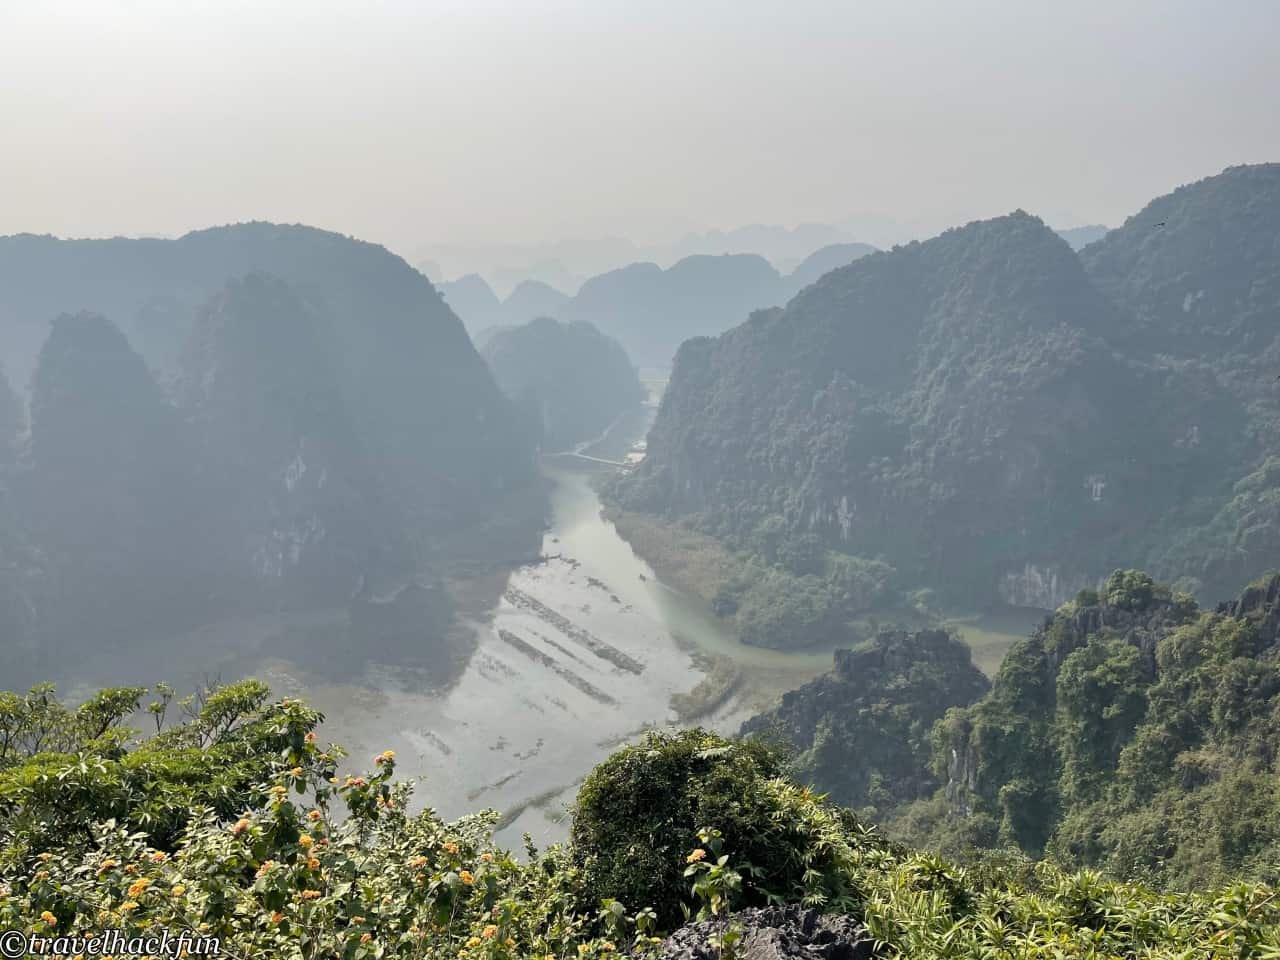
pixel 568 381
pixel 862 731
pixel 63 770
pixel 1194 273
pixel 308 863
pixel 1134 732
pixel 997 417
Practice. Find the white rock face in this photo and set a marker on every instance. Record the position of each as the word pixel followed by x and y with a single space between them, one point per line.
pixel 1040 586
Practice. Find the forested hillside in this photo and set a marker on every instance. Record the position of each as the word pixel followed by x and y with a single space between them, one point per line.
pixel 1196 275
pixel 568 381
pixel 954 407
pixel 1134 732
pixel 314 422
pixel 861 732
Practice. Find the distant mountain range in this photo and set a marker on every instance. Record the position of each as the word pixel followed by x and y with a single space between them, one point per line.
pixel 648 309
pixel 998 417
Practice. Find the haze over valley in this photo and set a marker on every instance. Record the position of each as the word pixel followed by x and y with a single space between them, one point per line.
pixel 804 480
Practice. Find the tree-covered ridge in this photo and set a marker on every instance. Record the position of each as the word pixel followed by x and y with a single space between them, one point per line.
pixel 862 731
pixel 316 427
pixel 568 381
pixel 1196 279
pixel 99 829
pixel 952 407
pixel 1134 732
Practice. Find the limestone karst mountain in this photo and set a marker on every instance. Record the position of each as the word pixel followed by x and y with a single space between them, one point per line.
pixel 825 260
pixel 326 427
pixel 651 311
pixel 953 406
pixel 569 380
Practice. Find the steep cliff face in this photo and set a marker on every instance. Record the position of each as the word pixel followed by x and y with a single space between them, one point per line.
pixel 334 427
pixel 299 507
pixel 951 405
pixel 12 423
pixel 1118 733
pixel 568 379
pixel 437 430
pixel 862 731
pixel 108 495
pixel 1196 275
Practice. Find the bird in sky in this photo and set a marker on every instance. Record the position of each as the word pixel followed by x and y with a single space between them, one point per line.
pixel 1161 223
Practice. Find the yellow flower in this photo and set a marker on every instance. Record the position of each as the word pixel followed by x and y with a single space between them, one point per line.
pixel 473 942
pixel 357 919
pixel 129 906
pixel 366 937
pixel 489 931
pixel 265 868
pixel 310 737
pixel 132 868
pixel 136 888
pixel 46 857
pixel 313 816
pixel 107 865
pixel 278 790
pixel 42 875
pixel 466 877
pixel 159 857
pixel 179 890
pixel 310 894
pixel 451 847
pixel 313 864
pixel 276 916
pixel 296 771
pixel 49 918
pixel 486 857
pixel 697 855
pixel 241 826
pixel 608 946
pixel 418 862
pixel 305 840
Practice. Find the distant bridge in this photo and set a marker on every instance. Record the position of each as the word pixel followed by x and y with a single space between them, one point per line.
pixel 569 454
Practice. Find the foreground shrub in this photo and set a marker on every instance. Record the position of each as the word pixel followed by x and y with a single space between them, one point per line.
pixel 639 814
pixel 321 865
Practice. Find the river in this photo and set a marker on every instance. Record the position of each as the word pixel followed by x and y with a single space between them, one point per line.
pixel 582 652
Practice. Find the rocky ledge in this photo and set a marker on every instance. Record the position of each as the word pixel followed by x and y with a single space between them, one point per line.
pixel 774 933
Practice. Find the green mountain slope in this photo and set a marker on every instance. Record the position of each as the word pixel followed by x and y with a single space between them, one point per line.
pixel 1134 732
pixel 568 380
pixel 1196 276
pixel 952 406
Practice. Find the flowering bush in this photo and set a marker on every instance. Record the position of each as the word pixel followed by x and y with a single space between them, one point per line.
pixel 314 864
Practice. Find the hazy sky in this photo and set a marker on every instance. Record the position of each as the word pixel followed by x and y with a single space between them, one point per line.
pixel 470 121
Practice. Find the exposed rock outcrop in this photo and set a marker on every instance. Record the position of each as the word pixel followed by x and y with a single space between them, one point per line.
pixel 773 933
